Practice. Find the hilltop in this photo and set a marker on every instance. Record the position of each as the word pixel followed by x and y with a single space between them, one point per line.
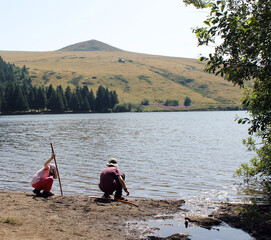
pixel 91 45
pixel 134 76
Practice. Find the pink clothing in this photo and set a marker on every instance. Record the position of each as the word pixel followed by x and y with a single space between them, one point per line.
pixel 44 184
pixel 39 175
pixel 109 180
pixel 42 180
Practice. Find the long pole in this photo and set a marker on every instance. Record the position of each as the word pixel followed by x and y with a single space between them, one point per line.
pixel 57 170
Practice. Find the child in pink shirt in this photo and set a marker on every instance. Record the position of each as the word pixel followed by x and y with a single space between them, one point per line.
pixel 44 179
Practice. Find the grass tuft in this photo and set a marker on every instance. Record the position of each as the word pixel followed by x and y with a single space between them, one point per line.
pixel 12 221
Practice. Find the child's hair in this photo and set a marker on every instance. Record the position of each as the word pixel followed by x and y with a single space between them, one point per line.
pixel 52 170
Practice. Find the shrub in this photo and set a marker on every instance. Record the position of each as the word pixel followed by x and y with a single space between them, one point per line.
pixel 76 80
pixel 127 107
pixel 120 78
pixel 187 101
pixel 170 102
pixel 145 78
pixel 124 107
pixel 145 102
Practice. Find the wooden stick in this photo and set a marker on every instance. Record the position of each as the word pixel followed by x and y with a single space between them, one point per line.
pixel 114 200
pixel 57 170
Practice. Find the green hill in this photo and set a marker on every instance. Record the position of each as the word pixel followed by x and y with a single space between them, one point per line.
pixel 92 45
pixel 136 77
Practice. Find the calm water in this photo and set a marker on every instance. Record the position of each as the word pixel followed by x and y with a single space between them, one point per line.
pixel 165 228
pixel 190 155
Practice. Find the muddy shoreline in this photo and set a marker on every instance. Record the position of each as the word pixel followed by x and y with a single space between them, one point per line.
pixel 25 216
pixel 253 219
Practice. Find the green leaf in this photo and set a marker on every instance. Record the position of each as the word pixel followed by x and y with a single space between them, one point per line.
pixel 209 5
pixel 201 59
pixel 207 23
pixel 222 7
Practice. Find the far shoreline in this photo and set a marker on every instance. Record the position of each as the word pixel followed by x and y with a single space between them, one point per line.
pixel 218 109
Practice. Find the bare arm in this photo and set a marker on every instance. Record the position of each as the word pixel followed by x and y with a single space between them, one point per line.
pixel 122 182
pixel 48 161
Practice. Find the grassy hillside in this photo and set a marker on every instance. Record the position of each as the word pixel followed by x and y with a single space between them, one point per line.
pixel 141 76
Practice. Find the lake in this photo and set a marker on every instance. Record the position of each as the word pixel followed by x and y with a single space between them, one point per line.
pixel 187 155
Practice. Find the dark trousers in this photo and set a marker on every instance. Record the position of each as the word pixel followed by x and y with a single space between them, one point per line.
pixel 118 192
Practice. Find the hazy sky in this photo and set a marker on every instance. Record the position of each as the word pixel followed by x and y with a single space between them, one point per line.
pixel 160 27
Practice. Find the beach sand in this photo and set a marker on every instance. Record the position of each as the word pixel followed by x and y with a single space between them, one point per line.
pixel 25 216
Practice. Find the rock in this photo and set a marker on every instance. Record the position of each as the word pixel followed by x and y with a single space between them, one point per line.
pixel 176 236
pixel 205 222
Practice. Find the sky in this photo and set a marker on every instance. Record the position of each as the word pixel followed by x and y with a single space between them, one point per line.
pixel 159 27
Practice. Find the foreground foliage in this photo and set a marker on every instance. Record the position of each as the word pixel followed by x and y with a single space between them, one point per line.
pixel 241 32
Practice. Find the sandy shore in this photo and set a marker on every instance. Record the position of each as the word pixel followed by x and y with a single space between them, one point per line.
pixel 25 216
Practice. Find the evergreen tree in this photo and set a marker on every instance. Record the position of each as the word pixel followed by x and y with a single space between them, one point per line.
pixel 74 103
pixel 79 96
pixel 84 92
pixel 25 89
pixel 31 97
pixel 56 102
pixel 1 96
pixel 91 100
pixel 20 103
pixel 68 95
pixel 35 94
pixel 6 71
pixel 113 99
pixel 49 91
pixel 29 81
pixel 2 75
pixel 52 98
pixel 9 98
pixel 61 94
pixel 40 99
pixel 24 69
pixel 107 99
pixel 85 105
pixel 100 100
pixel 187 101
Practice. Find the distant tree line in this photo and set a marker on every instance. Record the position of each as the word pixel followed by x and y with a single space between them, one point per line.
pixel 18 95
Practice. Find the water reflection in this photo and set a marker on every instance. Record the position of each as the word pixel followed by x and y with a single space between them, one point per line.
pixel 164 155
pixel 168 227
